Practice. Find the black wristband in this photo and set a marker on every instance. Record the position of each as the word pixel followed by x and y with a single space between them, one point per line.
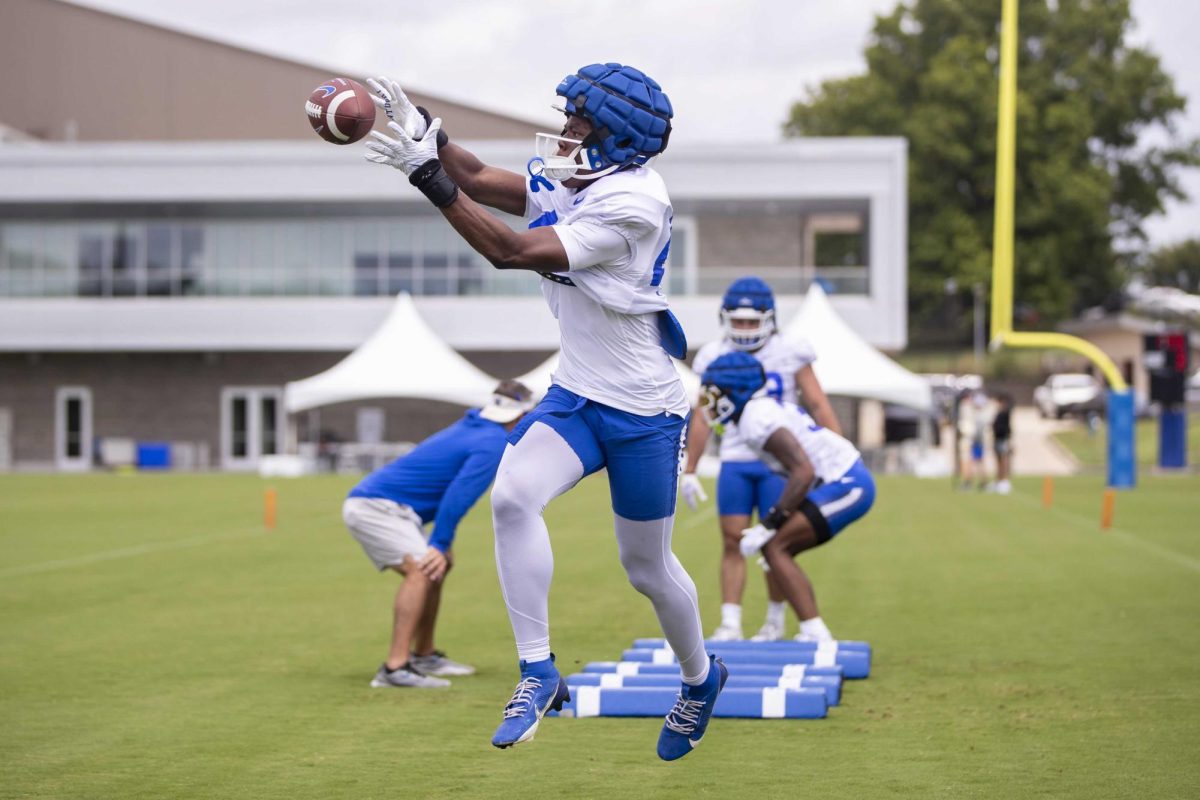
pixel 434 183
pixel 775 518
pixel 442 138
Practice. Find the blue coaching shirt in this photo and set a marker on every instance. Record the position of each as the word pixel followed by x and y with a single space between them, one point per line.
pixel 443 476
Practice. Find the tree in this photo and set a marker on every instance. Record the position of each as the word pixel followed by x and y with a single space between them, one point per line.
pixel 1084 185
pixel 1177 265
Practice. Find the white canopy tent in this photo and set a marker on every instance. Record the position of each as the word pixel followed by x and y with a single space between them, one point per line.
pixel 403 358
pixel 538 378
pixel 846 365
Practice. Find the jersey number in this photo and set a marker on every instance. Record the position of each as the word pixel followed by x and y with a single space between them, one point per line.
pixel 775 386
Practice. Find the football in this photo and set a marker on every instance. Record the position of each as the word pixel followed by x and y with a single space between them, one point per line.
pixel 340 110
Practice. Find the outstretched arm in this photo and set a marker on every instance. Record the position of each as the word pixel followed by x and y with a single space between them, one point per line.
pixel 539 249
pixel 490 186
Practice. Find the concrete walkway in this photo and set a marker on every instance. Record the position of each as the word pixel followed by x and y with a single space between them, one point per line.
pixel 1034 451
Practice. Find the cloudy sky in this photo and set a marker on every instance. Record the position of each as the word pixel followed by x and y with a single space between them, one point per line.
pixel 731 68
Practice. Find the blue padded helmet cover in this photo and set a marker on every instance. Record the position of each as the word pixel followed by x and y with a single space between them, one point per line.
pixel 738 375
pixel 749 292
pixel 629 111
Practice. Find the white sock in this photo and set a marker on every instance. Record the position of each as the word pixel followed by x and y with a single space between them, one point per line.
pixel 731 615
pixel 816 628
pixel 776 612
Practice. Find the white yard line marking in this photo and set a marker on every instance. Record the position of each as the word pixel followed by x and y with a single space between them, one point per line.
pixel 697 519
pixel 125 552
pixel 1093 525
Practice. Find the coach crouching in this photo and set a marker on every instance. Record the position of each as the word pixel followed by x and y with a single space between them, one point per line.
pixel 438 482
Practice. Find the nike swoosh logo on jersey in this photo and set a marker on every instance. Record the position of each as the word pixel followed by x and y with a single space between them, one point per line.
pixel 578 200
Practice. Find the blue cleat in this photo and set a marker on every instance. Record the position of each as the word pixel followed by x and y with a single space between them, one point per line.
pixel 541 688
pixel 685 725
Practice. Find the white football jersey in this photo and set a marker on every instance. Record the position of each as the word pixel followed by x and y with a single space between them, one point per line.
pixel 830 454
pixel 616 231
pixel 781 361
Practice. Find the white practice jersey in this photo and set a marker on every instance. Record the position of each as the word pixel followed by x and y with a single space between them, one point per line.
pixel 830 454
pixel 616 232
pixel 781 361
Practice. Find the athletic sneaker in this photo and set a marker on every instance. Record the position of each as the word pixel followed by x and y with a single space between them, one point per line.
pixel 685 725
pixel 541 688
pixel 726 633
pixel 406 675
pixel 769 632
pixel 436 663
pixel 808 637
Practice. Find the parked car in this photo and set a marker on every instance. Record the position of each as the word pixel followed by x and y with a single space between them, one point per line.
pixel 1069 393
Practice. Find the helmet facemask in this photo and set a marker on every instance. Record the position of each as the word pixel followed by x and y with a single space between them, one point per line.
pixel 581 155
pixel 750 337
pixel 717 407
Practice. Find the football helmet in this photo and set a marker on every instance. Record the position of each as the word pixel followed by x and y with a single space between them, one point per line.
pixel 749 299
pixel 727 385
pixel 630 116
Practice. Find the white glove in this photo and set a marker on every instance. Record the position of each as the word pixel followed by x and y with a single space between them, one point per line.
pixel 754 538
pixel 404 153
pixel 692 490
pixel 391 100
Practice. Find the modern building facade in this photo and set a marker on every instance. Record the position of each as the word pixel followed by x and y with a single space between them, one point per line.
pixel 164 287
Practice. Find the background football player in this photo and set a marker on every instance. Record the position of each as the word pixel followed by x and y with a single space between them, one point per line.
pixel 599 231
pixel 437 482
pixel 827 486
pixel 745 484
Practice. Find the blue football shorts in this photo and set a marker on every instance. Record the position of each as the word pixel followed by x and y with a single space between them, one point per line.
pixel 643 454
pixel 832 506
pixel 743 486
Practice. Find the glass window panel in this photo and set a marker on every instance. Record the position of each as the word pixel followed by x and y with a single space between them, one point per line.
pixel 295 257
pixel 399 273
pixel 59 258
pixel 436 252
pixel 223 277
pixel 367 262
pixel 839 249
pixel 74 427
pixel 160 244
pixel 268 427
pixel 95 258
pixel 127 248
pixel 238 433
pixel 332 271
pixel 398 257
pixel 22 245
pixel 257 262
pixel 191 259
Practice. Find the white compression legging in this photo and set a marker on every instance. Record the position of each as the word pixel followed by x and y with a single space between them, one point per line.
pixel 540 467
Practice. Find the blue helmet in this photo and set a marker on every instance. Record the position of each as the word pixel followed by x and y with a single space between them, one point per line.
pixel 729 383
pixel 629 111
pixel 748 300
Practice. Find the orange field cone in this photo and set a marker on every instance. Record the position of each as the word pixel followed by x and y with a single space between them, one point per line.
pixel 269 503
pixel 1047 492
pixel 1106 511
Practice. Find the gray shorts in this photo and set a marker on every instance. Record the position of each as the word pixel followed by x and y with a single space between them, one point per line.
pixel 387 531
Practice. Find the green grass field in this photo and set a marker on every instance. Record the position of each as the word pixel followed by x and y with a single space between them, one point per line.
pixel 155 642
pixel 1091 449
